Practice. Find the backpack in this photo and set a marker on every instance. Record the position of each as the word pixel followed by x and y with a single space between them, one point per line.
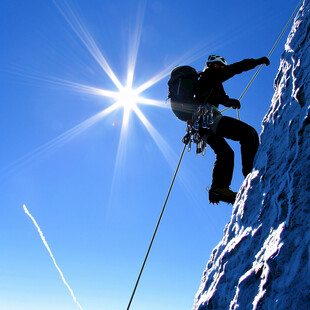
pixel 181 92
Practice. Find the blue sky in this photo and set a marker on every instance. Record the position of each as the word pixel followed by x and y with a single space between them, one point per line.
pixel 95 180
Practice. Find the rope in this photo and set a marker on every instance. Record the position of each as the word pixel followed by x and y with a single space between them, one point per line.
pixel 162 212
pixel 260 67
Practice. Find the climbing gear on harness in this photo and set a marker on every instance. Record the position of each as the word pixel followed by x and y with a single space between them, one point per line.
pixel 193 135
pixel 202 119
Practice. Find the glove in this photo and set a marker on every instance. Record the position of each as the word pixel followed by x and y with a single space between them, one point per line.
pixel 234 103
pixel 264 61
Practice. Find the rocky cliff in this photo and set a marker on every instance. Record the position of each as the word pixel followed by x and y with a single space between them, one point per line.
pixel 263 261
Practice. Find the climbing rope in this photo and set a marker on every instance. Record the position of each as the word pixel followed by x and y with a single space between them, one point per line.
pixel 161 215
pixel 179 163
pixel 260 67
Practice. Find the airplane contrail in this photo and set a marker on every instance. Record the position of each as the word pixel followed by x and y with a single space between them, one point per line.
pixel 51 255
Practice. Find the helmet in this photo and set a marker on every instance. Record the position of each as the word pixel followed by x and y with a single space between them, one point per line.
pixel 216 58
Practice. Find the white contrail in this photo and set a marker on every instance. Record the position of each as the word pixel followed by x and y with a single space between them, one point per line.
pixel 50 252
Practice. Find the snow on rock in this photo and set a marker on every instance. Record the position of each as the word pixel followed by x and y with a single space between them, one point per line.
pixel 263 261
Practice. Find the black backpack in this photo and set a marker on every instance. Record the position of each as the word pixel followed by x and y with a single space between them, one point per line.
pixel 181 92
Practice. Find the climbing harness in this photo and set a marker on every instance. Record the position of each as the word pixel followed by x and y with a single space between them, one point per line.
pixel 202 119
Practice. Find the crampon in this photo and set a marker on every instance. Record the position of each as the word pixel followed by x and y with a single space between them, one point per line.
pixel 222 194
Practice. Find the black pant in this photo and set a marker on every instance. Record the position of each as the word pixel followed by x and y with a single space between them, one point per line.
pixel 236 130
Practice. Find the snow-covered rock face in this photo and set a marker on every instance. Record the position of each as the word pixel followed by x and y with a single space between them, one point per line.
pixel 263 261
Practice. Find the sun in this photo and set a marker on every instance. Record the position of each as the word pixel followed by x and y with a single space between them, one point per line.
pixel 125 96
pixel 128 98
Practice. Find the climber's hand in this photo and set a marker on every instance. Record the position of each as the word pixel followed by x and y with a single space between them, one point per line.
pixel 264 61
pixel 234 103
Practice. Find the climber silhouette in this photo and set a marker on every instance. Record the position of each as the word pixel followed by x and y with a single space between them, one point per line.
pixel 209 90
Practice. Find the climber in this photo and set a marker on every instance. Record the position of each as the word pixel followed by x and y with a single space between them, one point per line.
pixel 209 90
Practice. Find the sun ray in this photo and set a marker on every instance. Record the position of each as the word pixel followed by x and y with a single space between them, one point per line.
pixel 192 55
pixel 74 86
pixel 161 75
pixel 163 146
pixel 186 58
pixel 87 39
pixel 82 88
pixel 59 140
pixel 152 102
pixel 121 153
pixel 135 43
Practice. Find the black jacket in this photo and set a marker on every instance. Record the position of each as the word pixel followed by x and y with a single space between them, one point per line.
pixel 209 88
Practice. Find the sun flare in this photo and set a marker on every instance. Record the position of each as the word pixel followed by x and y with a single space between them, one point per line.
pixel 128 98
pixel 125 97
